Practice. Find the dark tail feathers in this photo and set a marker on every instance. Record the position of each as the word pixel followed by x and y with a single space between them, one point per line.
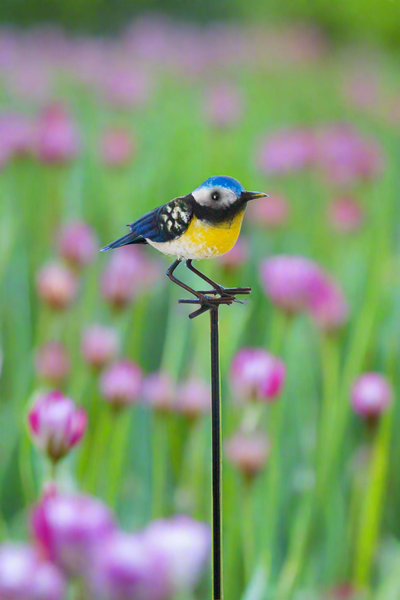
pixel 129 238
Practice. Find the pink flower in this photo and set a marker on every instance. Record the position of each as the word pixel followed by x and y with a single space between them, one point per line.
pixel 125 87
pixel 235 258
pixel 287 151
pixel 52 362
pixel 57 136
pixel 70 529
pixel 56 424
pixel 345 214
pixel 362 90
pixel 290 281
pixel 257 375
pixel 127 567
pixel 271 212
pixel 17 134
pixel 295 283
pixel 248 452
pixel 121 383
pixel 371 395
pixel 185 545
pixel 345 157
pixel 117 147
pixel 328 306
pixel 57 285
pixel 223 105
pixel 193 398
pixel 128 273
pixel 25 576
pixel 159 391
pixel 100 345
pixel 77 244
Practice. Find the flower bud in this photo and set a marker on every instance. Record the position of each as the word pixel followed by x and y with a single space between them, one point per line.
pixel 121 383
pixel 257 375
pixel 77 244
pixel 56 424
pixel 100 345
pixel 371 395
pixel 248 452
pixel 57 286
pixel 52 363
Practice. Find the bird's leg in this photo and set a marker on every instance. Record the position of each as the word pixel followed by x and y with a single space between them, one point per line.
pixel 218 289
pixel 170 274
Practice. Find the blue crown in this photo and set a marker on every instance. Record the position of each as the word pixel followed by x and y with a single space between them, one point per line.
pixel 223 181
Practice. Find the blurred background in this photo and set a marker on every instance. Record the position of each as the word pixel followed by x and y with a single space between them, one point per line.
pixel 107 111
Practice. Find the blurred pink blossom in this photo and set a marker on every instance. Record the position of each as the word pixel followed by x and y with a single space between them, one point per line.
pixel 371 395
pixel 128 273
pixel 248 452
pixel 271 212
pixel 328 306
pixel 52 362
pixel 117 147
pixel 127 567
pixel 17 134
pixel 345 214
pixel 257 375
pixel 235 258
pixel 346 157
pixel 193 398
pixel 159 391
pixel 70 529
pixel 223 105
pixel 290 281
pixel 185 544
pixel 56 424
pixel 121 383
pixel 24 575
pixel 57 138
pixel 295 283
pixel 57 285
pixel 125 87
pixel 77 244
pixel 100 345
pixel 287 151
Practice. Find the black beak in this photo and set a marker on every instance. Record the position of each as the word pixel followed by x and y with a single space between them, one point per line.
pixel 246 196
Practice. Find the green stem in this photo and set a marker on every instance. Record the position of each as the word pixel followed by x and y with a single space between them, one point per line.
pixel 248 530
pixel 97 449
pixel 160 445
pixel 121 425
pixel 372 508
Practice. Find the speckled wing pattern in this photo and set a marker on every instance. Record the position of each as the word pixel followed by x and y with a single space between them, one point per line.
pixel 165 223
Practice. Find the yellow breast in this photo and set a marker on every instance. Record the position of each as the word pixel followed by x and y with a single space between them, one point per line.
pixel 205 240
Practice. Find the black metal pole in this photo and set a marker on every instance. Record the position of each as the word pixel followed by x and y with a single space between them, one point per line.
pixel 216 458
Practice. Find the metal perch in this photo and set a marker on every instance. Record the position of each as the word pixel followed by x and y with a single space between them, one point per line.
pixel 211 300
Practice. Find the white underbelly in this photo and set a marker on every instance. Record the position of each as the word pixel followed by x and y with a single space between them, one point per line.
pixel 185 249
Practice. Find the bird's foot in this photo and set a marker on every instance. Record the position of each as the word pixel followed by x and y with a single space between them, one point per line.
pixel 211 299
pixel 228 293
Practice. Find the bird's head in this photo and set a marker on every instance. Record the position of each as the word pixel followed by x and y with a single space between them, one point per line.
pixel 221 193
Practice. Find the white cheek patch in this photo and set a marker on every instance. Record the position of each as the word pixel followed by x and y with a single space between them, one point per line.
pixel 203 197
